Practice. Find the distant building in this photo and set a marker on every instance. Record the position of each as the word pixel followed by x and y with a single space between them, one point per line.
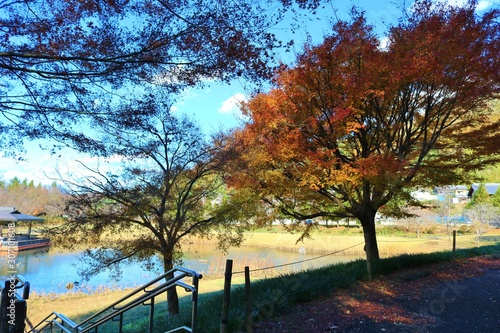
pixel 15 241
pixel 423 195
pixel 491 188
pixel 455 193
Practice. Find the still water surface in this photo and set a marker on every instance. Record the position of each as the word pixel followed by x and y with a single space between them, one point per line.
pixel 52 271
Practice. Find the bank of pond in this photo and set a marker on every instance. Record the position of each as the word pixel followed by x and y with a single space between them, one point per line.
pixel 55 271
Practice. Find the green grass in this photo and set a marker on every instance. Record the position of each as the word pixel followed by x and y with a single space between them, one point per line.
pixel 272 296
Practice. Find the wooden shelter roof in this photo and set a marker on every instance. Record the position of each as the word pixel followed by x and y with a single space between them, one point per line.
pixel 10 214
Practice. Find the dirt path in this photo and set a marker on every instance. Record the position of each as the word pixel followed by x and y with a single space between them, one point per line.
pixel 458 296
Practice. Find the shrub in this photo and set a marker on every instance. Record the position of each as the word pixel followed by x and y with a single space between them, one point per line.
pixel 464 230
pixel 431 230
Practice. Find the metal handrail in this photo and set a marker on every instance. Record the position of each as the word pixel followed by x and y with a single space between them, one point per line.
pixel 25 285
pixel 52 319
pixel 143 288
pixel 66 320
pixel 137 297
pixel 45 321
pixel 178 329
pixel 125 308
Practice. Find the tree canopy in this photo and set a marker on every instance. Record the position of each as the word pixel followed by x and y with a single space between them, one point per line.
pixel 61 61
pixel 354 123
pixel 167 187
pixel 32 199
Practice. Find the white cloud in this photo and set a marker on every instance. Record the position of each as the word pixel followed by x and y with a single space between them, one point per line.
pixel 483 5
pixel 43 167
pixel 231 105
pixel 384 43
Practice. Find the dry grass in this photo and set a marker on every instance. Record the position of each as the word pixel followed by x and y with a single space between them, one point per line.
pixel 317 244
pixel 217 266
pixel 75 305
pixel 353 244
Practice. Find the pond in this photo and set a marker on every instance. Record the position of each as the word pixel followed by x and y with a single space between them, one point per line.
pixel 52 271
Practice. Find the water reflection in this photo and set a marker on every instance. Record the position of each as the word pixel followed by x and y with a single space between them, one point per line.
pixel 54 271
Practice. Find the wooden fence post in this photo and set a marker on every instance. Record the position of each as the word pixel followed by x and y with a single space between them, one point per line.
pixel 248 299
pixel 227 293
pixel 454 242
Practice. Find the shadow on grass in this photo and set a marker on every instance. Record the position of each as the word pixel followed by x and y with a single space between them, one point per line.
pixel 486 238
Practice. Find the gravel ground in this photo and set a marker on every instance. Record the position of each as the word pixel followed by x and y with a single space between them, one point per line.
pixel 458 296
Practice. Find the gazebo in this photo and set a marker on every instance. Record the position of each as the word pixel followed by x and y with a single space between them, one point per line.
pixel 20 241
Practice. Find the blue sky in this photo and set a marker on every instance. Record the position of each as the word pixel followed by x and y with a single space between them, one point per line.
pixel 214 106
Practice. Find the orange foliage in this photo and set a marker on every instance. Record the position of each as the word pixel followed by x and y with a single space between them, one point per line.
pixel 352 124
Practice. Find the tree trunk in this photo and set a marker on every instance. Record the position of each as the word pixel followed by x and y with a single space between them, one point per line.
pixel 172 297
pixel 371 246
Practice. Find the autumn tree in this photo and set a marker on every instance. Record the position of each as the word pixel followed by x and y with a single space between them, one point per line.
pixel 32 199
pixel 61 60
pixel 354 123
pixel 482 216
pixel 166 188
pixel 443 210
pixel 481 211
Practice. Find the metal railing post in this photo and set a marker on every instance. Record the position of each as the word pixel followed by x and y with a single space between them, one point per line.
pixel 227 295
pixel 120 324
pixel 194 304
pixel 151 314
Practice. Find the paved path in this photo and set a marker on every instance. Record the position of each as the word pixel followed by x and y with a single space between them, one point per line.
pixel 469 306
pixel 449 297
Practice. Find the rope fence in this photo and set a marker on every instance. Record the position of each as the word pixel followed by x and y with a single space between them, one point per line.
pixel 300 261
pixel 326 255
